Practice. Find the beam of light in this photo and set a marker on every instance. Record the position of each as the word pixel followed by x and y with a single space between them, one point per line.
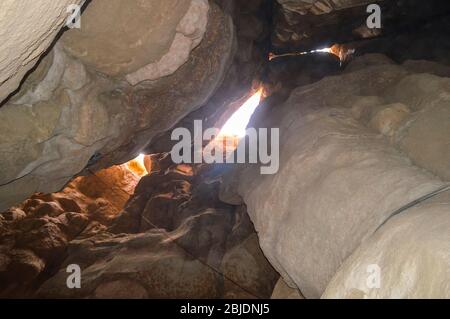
pixel 273 56
pixel 137 165
pixel 341 51
pixel 326 50
pixel 237 123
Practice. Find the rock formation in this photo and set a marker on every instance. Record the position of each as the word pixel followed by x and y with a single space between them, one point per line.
pixel 171 238
pixel 35 235
pixel 342 175
pixel 358 208
pixel 84 103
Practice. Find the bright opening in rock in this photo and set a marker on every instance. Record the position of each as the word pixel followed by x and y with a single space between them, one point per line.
pixel 137 165
pixel 237 123
pixel 234 128
pixel 340 51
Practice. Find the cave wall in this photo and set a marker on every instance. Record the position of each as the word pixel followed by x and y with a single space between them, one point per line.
pixel 26 35
pixel 344 169
pixel 91 105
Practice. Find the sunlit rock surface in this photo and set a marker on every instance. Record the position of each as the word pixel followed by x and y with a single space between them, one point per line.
pixel 173 239
pixel 168 236
pixel 34 236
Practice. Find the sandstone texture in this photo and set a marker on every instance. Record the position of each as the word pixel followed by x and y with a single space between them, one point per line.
pixel 165 236
pixel 35 235
pixel 173 239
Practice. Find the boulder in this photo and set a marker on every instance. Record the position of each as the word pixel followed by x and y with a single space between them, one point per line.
pixel 408 257
pixel 69 117
pixel 338 179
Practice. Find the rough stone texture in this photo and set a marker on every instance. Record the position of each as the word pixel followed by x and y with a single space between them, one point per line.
pixel 174 239
pixel 27 29
pixel 339 179
pixel 163 103
pixel 310 24
pixel 34 235
pixel 412 251
pixel 68 117
pixel 250 57
pixel 150 264
pixel 302 25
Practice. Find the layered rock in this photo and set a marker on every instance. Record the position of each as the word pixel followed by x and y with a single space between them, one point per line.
pixel 174 239
pixel 249 60
pixel 303 25
pixel 310 24
pixel 319 6
pixel 34 236
pixel 342 176
pixel 80 109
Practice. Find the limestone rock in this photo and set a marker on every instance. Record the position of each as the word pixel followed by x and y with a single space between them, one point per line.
pixel 424 137
pixel 411 253
pixel 344 179
pixel 128 262
pixel 37 233
pixel 120 37
pixel 192 246
pixel 319 6
pixel 431 67
pixel 368 60
pixel 189 33
pixel 25 264
pixel 26 36
pixel 67 117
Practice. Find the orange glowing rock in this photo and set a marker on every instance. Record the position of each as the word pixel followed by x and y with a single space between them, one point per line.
pixel 137 165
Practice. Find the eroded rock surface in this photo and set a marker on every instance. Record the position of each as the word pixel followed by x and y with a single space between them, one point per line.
pixel 34 236
pixel 69 116
pixel 342 175
pixel 173 239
